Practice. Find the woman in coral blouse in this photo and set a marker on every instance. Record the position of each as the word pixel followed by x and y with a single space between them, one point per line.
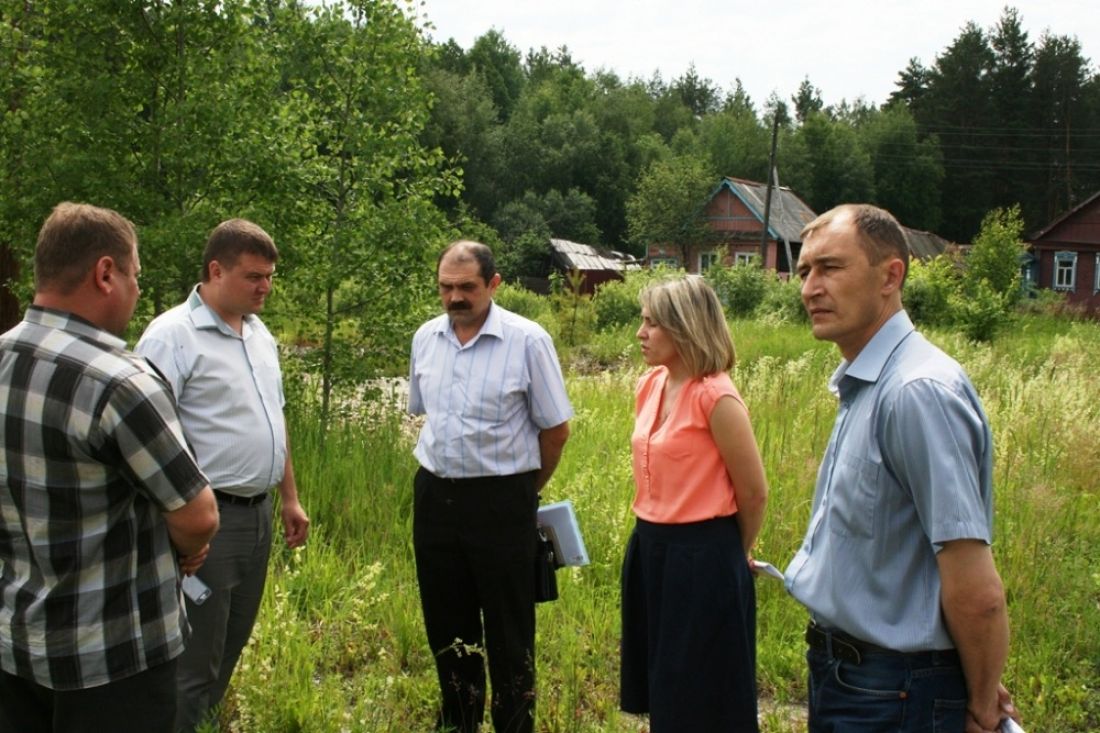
pixel 688 603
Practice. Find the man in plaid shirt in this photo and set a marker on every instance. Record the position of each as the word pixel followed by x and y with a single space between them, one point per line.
pixel 101 503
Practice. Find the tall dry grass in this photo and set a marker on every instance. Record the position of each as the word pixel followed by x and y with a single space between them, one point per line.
pixel 339 645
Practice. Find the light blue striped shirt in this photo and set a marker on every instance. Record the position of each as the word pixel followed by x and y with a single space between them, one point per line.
pixel 486 400
pixel 908 467
pixel 229 390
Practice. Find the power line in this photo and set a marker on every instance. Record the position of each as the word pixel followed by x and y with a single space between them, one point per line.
pixel 962 130
pixel 1005 149
pixel 992 166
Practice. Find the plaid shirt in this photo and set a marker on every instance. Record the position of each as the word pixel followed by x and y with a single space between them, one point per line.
pixel 92 455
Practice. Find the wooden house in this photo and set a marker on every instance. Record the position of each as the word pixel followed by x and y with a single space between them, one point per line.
pixel 596 264
pixel 1066 255
pixel 735 213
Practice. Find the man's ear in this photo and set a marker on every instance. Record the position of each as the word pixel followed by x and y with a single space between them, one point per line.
pixel 104 273
pixel 895 274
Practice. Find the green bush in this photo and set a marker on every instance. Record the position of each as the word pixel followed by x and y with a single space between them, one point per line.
pixel 616 303
pixel 928 291
pixel 995 256
pixel 574 311
pixel 981 312
pixel 521 301
pixel 783 301
pixel 741 288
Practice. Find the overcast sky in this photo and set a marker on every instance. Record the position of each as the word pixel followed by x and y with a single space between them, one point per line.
pixel 847 48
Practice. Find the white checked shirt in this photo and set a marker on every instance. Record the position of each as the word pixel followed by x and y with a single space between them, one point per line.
pixel 91 455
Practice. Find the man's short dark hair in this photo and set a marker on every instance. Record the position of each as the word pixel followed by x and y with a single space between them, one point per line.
pixel 233 238
pixel 880 235
pixel 73 238
pixel 466 251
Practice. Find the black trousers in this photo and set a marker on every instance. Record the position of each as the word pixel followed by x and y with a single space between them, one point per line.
pixel 474 541
pixel 142 703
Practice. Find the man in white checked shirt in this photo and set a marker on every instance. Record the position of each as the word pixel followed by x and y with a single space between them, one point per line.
pixel 497 412
pixel 101 502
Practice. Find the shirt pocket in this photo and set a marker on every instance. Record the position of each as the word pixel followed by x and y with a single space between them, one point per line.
pixel 268 376
pixel 854 490
pixel 497 392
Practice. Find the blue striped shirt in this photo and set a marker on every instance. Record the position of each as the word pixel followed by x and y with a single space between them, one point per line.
pixel 908 467
pixel 486 400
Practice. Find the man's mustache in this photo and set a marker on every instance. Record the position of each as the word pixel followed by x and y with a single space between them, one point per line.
pixel 459 305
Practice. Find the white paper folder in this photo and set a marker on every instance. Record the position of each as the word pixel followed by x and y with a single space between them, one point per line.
pixel 559 523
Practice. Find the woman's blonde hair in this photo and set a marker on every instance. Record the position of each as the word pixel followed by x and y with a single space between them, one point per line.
pixel 688 309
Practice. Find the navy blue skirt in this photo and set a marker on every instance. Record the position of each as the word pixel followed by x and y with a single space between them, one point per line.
pixel 689 628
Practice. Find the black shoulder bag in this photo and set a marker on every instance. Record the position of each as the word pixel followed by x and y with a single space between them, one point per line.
pixel 546 565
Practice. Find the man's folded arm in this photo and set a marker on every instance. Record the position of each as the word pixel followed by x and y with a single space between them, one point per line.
pixel 194 524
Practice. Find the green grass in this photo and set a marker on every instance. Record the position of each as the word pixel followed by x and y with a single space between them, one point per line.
pixel 339 645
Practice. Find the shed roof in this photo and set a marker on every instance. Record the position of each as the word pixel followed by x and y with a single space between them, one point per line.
pixel 585 257
pixel 788 214
pixel 924 245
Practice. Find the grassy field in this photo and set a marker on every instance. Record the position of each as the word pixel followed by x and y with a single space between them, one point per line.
pixel 339 645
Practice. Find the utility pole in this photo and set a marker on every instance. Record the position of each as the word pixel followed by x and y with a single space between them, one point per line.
pixel 768 192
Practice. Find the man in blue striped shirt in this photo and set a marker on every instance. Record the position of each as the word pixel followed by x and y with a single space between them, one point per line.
pixel 223 366
pixel 909 630
pixel 497 412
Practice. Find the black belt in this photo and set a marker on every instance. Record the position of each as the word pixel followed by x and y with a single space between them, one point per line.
pixel 842 646
pixel 847 648
pixel 228 498
pixel 476 480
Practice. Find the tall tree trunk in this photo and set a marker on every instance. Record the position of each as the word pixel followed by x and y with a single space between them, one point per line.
pixel 326 360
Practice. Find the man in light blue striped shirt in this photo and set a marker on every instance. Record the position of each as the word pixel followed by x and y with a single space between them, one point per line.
pixel 223 366
pixel 497 412
pixel 909 630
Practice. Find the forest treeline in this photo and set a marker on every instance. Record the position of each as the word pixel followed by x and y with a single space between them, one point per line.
pixel 362 143
pixel 995 120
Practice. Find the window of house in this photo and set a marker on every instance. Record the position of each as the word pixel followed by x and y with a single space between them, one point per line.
pixel 665 261
pixel 708 260
pixel 743 258
pixel 1065 270
pixel 1096 275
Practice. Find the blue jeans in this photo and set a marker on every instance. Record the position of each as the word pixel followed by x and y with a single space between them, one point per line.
pixel 923 692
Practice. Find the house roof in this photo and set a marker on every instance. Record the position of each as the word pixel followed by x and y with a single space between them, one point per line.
pixel 788 214
pixel 585 257
pixel 1068 215
pixel 924 245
